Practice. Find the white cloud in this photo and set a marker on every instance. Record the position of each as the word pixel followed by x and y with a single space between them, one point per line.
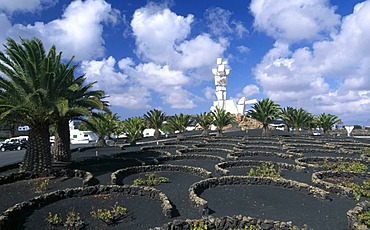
pixel 249 90
pixel 11 6
pixel 209 93
pixel 220 25
pixel 157 31
pixel 294 20
pixel 78 32
pixel 105 73
pixel 243 49
pixel 5 25
pixel 131 98
pixel 179 98
pixel 329 76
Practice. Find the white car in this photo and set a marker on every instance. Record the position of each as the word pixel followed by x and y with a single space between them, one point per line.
pixel 316 133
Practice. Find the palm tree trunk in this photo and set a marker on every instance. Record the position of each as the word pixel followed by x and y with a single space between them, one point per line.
pixel 61 151
pixel 180 136
pixel 265 130
pixel 156 133
pixel 37 158
pixel 100 142
pixel 205 133
pixel 219 133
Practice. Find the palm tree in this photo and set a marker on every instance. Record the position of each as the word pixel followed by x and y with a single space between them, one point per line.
pixel 326 121
pixel 77 102
pixel 298 119
pixel 133 127
pixel 287 115
pixel 28 95
pixel 179 123
pixel 220 119
pixel 204 120
pixel 103 124
pixel 264 111
pixel 155 119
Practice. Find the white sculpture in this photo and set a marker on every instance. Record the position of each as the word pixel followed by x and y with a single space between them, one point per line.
pixel 221 74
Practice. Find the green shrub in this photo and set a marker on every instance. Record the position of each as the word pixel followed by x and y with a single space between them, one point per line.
pixel 41 185
pixel 73 220
pixel 365 218
pixel 54 219
pixel 358 190
pixel 151 180
pixel 265 170
pixel 365 151
pixel 110 216
pixel 344 166
pixel 199 225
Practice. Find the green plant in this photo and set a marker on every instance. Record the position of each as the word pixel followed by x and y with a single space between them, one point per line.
pixel 199 225
pixel 358 190
pixel 151 180
pixel 248 227
pixel 41 185
pixel 73 220
pixel 110 216
pixel 54 219
pixel 365 218
pixel 265 170
pixel 365 151
pixel 344 166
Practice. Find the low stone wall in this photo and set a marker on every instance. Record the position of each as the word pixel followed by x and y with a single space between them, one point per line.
pixel 234 222
pixel 163 147
pixel 115 158
pixel 199 187
pixel 10 217
pixel 183 142
pixel 215 144
pixel 352 216
pixel 260 147
pixel 192 157
pixel 117 176
pixel 87 178
pixel 221 168
pixel 263 153
pixel 318 178
pixel 204 150
pixel 315 162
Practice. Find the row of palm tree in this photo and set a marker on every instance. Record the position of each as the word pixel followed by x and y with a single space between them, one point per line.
pixel 107 123
pixel 38 90
pixel 266 111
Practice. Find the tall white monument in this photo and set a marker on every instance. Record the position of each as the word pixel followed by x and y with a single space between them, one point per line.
pixel 221 74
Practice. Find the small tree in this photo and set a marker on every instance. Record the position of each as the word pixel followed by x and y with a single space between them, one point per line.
pixel 326 121
pixel 264 111
pixel 204 120
pixel 220 119
pixel 102 124
pixel 133 127
pixel 155 119
pixel 179 123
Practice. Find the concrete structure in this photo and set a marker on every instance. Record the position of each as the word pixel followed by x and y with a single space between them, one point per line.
pixel 221 74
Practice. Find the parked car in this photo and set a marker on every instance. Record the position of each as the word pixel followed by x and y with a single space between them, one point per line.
pixel 13 144
pixel 316 133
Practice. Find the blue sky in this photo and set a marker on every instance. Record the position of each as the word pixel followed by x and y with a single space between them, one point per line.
pixel 159 54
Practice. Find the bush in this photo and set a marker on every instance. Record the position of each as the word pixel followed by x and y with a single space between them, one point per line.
pixel 265 170
pixel 151 180
pixel 110 216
